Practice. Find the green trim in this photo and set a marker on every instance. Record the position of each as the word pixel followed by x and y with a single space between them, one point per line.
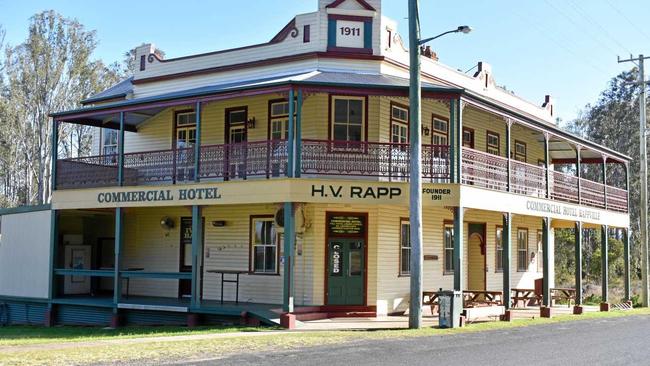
pixel 508 154
pixel 23 299
pixel 367 34
pixel 83 301
pixel 55 153
pixel 578 259
pixel 459 141
pixel 83 272
pixel 161 275
pixel 331 33
pixel 506 257
pixel 626 259
pixel 24 209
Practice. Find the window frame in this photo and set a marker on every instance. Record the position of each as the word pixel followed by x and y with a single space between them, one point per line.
pixel 498 249
pixel 472 134
pixel 445 271
pixel 439 133
pixel 283 118
pixel 399 122
pixel 489 146
pixel 521 158
pixel 103 146
pixel 251 250
pixel 523 268
pixel 364 116
pixel 404 222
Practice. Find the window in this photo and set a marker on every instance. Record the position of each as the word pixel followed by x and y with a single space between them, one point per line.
pixel 264 243
pixel 449 249
pixel 520 151
pixel 347 124
pixel 405 248
pixel 540 251
pixel 185 130
pixel 279 120
pixel 468 138
pixel 498 266
pixel 440 132
pixel 399 118
pixel 109 141
pixel 236 119
pixel 493 143
pixel 522 250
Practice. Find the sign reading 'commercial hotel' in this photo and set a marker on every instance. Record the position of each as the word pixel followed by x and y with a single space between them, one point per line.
pixel 183 194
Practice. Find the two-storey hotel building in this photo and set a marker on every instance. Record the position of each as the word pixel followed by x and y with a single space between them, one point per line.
pixel 273 179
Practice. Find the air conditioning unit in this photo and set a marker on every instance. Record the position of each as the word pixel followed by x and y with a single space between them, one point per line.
pixel 299 214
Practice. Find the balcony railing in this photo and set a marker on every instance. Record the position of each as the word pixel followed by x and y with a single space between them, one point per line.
pixel 491 171
pixel 384 161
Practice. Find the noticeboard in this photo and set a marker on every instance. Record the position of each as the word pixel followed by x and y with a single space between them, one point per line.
pixel 346 225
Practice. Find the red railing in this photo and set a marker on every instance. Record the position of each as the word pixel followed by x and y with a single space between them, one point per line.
pixel 372 159
pixel 388 161
pixel 564 187
pixel 485 170
pixel 617 199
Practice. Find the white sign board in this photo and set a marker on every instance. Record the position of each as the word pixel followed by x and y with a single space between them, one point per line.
pixel 349 34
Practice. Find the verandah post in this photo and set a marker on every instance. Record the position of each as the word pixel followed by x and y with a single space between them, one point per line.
pixel 298 137
pixel 626 259
pixel 450 141
pixel 459 139
pixel 604 254
pixel 197 143
pixel 120 152
pixel 508 157
pixel 290 137
pixel 578 259
pixel 289 238
pixel 546 245
pixel 579 173
pixel 458 248
pixel 197 250
pixel 55 154
pixel 547 166
pixel 506 255
pixel 605 181
pixel 119 239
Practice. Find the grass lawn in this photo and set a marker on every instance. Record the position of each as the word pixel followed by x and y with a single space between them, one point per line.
pixel 156 351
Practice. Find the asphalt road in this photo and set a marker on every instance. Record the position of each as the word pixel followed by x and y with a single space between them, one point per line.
pixel 619 341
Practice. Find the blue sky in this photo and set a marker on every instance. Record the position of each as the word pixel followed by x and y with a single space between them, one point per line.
pixel 566 48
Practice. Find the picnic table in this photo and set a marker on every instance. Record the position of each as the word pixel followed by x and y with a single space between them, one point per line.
pixel 564 293
pixel 525 295
pixel 479 298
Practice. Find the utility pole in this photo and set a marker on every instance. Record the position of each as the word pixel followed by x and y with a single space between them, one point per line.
pixel 415 179
pixel 644 175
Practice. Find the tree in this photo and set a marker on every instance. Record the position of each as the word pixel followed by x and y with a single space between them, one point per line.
pixel 51 71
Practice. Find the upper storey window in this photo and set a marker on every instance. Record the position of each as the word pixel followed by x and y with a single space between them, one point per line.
pixel 520 151
pixel 279 120
pixel 348 119
pixel 109 141
pixel 440 132
pixel 399 119
pixel 493 143
pixel 185 129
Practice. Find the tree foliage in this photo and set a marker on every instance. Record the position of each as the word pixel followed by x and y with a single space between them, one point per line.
pixel 52 70
pixel 613 121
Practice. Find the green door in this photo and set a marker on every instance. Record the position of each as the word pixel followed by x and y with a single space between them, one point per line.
pixel 346 271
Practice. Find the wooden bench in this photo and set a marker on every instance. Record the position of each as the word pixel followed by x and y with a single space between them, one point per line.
pixel 525 296
pixel 482 298
pixel 568 294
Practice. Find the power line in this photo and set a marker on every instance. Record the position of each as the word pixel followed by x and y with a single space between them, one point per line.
pixel 558 42
pixel 593 21
pixel 640 29
pixel 581 28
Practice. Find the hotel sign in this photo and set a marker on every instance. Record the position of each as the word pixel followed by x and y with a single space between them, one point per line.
pixel 559 209
pixel 182 194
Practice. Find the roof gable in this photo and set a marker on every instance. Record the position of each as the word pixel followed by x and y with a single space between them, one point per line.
pixel 362 3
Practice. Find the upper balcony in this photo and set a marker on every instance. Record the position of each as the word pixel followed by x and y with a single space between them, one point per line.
pixel 381 161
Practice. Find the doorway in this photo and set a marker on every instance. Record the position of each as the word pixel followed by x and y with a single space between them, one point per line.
pixel 476 257
pixel 185 262
pixel 236 136
pixel 346 259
